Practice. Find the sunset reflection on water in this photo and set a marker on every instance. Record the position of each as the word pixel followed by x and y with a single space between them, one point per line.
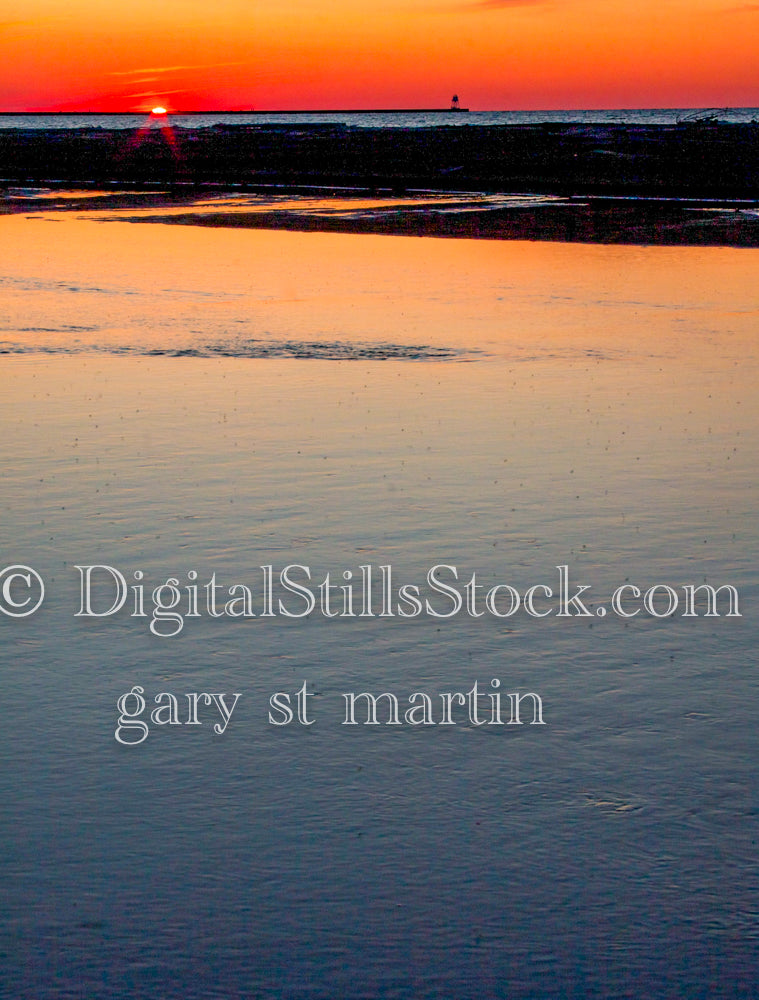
pixel 599 411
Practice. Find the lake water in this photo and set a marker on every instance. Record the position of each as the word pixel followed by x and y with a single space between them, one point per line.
pixel 386 119
pixel 505 408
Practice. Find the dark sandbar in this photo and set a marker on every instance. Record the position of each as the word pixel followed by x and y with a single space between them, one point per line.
pixel 596 222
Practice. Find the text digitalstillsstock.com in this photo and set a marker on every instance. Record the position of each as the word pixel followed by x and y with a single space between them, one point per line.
pixel 364 592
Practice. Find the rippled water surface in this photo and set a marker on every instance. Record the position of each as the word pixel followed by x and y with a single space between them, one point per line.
pixel 505 408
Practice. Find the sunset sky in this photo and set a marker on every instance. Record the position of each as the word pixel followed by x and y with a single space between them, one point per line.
pixel 496 54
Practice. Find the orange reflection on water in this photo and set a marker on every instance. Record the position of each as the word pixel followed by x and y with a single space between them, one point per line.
pixel 113 284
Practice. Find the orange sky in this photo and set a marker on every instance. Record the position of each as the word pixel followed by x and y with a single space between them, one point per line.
pixel 496 54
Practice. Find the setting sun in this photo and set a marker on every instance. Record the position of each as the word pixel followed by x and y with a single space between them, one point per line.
pixel 158 111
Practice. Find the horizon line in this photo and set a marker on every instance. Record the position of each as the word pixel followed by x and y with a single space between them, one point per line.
pixel 384 111
pixel 261 111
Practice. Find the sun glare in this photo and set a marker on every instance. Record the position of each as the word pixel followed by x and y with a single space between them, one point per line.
pixel 158 111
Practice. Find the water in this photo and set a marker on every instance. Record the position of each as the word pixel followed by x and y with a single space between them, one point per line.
pixel 598 409
pixel 394 119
